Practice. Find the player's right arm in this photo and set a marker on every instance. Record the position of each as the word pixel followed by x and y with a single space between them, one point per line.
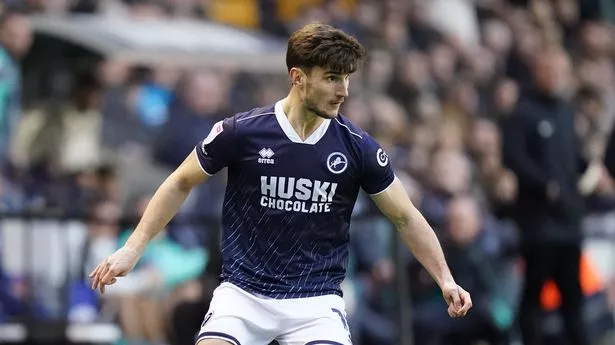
pixel 208 157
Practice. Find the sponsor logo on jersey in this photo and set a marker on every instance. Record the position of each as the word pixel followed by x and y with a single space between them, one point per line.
pixel 297 194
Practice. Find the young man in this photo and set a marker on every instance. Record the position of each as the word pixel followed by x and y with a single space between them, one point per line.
pixel 294 172
pixel 15 41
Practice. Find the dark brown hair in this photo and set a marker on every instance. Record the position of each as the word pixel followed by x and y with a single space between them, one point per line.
pixel 7 13
pixel 320 45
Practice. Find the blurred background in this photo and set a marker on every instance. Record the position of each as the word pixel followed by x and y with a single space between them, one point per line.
pixel 101 99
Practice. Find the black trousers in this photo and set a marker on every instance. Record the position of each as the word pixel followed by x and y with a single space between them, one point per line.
pixel 560 263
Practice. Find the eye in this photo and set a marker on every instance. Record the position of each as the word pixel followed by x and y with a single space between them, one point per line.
pixel 331 78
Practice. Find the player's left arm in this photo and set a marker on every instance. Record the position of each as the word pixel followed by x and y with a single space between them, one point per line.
pixel 423 243
pixel 389 195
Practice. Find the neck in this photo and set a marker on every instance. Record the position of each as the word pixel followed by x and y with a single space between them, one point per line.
pixel 304 121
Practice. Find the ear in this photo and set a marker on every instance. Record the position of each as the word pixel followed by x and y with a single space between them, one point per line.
pixel 297 76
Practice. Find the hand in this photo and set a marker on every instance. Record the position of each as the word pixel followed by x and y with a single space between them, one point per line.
pixel 116 265
pixel 458 300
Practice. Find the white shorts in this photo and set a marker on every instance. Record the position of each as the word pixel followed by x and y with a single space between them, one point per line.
pixel 241 318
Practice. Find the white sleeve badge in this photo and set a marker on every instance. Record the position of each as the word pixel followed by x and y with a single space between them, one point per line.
pixel 382 158
pixel 215 131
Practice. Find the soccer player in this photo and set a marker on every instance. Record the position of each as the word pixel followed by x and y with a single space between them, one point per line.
pixel 294 171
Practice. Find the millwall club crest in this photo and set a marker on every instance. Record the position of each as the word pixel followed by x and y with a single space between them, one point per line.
pixel 337 162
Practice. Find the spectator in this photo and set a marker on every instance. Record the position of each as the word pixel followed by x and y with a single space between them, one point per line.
pixel 498 37
pixel 412 80
pixel 450 177
pixel 541 148
pixel 480 250
pixel 12 298
pixel 505 97
pixel 67 137
pixel 15 41
pixel 193 115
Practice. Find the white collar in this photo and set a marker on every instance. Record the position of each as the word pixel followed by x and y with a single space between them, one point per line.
pixel 290 131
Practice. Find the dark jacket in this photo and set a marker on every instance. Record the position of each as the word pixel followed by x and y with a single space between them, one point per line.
pixel 609 155
pixel 540 145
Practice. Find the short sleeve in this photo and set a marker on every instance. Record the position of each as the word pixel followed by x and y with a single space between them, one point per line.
pixel 377 172
pixel 216 151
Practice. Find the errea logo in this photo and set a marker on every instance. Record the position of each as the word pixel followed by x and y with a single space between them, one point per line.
pixel 266 154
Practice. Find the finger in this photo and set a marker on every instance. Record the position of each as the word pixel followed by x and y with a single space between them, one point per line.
pixel 94 272
pixel 106 266
pixel 452 312
pixel 456 298
pixel 465 296
pixel 103 285
pixel 111 273
pixel 96 279
pixel 467 303
pixel 94 276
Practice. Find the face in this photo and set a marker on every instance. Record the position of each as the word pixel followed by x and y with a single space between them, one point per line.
pixel 210 84
pixel 450 172
pixel 485 137
pixel 552 73
pixel 498 36
pixel 16 35
pixel 463 220
pixel 322 91
pixel 416 70
pixel 506 96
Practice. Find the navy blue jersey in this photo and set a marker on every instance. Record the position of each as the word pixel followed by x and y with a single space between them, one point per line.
pixel 288 202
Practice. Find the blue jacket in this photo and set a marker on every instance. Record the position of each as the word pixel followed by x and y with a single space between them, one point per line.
pixel 10 101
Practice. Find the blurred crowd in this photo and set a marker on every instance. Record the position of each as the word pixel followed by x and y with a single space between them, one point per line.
pixel 441 91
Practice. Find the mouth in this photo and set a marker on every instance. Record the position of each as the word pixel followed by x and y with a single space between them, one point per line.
pixel 337 102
